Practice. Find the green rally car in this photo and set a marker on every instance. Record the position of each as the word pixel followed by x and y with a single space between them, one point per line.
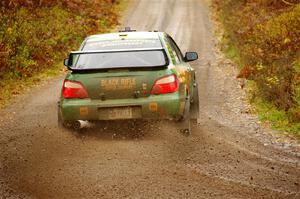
pixel 128 75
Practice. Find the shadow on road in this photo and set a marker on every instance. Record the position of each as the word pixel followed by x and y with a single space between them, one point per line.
pixel 121 130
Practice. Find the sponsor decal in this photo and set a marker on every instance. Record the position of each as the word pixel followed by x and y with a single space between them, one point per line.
pixel 129 43
pixel 183 75
pixel 153 106
pixel 84 111
pixel 144 86
pixel 118 83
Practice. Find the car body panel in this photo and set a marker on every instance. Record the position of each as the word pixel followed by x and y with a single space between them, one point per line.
pixel 153 107
pixel 118 84
pixel 126 93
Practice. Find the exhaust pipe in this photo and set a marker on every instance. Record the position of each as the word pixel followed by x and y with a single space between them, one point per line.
pixel 80 124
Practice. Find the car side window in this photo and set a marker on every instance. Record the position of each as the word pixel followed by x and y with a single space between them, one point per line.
pixel 172 52
pixel 176 49
pixel 174 55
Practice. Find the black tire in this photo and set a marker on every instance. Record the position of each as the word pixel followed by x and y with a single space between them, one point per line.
pixel 60 122
pixel 194 109
pixel 184 121
pixel 195 100
pixel 59 119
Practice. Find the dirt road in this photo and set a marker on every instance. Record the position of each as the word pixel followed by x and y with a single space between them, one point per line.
pixel 227 156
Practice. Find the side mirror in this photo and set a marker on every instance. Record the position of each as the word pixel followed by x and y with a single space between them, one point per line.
pixel 66 62
pixel 190 56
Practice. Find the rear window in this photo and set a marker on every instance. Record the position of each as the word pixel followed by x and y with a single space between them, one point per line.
pixel 122 44
pixel 119 59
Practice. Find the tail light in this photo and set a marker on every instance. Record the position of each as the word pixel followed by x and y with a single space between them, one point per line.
pixel 72 89
pixel 167 84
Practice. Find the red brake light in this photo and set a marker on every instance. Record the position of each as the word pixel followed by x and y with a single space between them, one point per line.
pixel 167 84
pixel 72 89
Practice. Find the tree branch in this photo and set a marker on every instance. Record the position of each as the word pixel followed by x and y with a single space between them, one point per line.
pixel 288 3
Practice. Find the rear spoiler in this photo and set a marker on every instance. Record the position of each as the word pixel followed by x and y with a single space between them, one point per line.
pixel 68 61
pixel 116 50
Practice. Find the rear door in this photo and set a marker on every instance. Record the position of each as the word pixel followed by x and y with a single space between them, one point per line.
pixel 186 72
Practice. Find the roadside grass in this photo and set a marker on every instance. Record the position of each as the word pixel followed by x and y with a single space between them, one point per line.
pixel 284 120
pixel 37 40
pixel 278 119
pixel 230 51
pixel 11 87
pixel 275 118
pixel 267 112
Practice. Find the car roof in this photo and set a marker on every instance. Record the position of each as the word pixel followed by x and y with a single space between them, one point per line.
pixel 124 35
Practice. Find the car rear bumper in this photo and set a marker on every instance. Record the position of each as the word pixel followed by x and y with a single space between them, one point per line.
pixel 167 106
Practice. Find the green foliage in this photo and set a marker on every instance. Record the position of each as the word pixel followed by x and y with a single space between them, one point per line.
pixel 266 37
pixel 278 119
pixel 35 35
pixel 231 52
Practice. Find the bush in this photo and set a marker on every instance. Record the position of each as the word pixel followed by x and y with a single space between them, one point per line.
pixel 36 34
pixel 266 36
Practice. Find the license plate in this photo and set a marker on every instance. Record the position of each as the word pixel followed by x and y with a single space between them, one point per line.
pixel 120 113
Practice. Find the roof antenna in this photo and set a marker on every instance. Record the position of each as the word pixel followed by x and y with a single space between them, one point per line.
pixel 127 29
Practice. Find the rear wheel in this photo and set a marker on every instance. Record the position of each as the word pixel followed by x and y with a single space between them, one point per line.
pixel 185 120
pixel 191 112
pixel 60 121
pixel 194 109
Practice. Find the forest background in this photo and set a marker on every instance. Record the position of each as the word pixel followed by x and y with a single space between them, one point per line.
pixel 263 38
pixel 36 35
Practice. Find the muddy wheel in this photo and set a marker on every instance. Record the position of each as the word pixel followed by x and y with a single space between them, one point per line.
pixel 194 109
pixel 60 122
pixel 185 121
